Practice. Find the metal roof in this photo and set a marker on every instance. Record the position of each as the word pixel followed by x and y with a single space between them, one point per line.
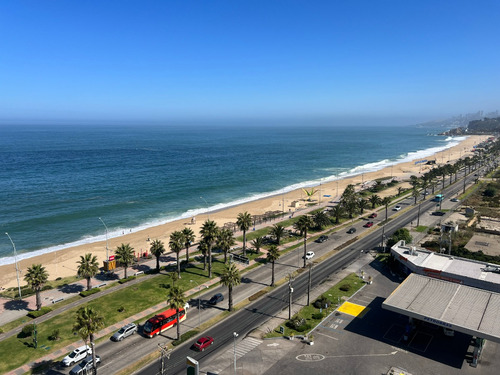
pixel 459 307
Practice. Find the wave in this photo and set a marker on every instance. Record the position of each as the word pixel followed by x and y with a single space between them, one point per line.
pixel 340 174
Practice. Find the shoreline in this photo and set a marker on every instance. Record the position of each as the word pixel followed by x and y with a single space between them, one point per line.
pixel 62 262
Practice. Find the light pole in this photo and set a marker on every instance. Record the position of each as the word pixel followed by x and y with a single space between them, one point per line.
pixel 103 223
pixel 234 342
pixel 206 203
pixel 17 267
pixel 199 310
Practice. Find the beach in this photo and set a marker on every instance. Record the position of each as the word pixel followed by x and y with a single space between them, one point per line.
pixel 63 263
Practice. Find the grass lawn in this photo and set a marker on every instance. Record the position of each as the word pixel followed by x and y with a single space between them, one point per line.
pixel 421 228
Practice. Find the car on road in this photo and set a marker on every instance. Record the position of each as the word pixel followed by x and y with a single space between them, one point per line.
pixel 322 239
pixel 454 200
pixel 76 355
pixel 216 298
pixel 351 230
pixel 369 224
pixel 373 215
pixel 203 343
pixel 310 255
pixel 125 331
pixel 86 366
pixel 396 208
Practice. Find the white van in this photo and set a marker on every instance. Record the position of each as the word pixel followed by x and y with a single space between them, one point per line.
pixel 76 355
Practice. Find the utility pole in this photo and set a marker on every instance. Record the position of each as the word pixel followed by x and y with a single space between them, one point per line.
pixel 290 291
pixel 418 215
pixel 309 284
pixel 164 352
pixel 465 175
pixel 382 239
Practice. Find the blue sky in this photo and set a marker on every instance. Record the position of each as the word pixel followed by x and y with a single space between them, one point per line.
pixel 163 60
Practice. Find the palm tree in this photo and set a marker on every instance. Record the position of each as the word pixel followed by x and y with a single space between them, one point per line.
pixel 337 212
pixel 176 300
pixel 209 232
pixel 88 323
pixel 374 200
pixel 157 249
pixel 88 267
pixel 36 277
pixel 272 256
pixel 225 240
pixel 188 237
pixel 176 245
pixel 304 223
pixel 257 243
pixel 350 207
pixel 321 219
pixel 362 205
pixel 310 193
pixel 386 202
pixel 244 221
pixel 400 190
pixel 125 255
pixel 203 248
pixel 230 277
pixel 277 231
pixel 415 193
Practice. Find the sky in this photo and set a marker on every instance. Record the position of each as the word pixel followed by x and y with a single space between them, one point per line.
pixel 163 60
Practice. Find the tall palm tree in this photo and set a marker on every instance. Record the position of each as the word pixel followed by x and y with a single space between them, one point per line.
pixel 87 267
pixel 321 219
pixel 386 202
pixel 225 240
pixel 125 255
pixel 157 249
pixel 304 223
pixel 277 231
pixel 244 221
pixel 362 205
pixel 272 255
pixel 230 277
pixel 209 232
pixel 374 200
pixel 203 248
pixel 350 207
pixel 88 323
pixel 337 212
pixel 188 237
pixel 176 300
pixel 36 277
pixel 176 245
pixel 257 243
pixel 400 190
pixel 415 193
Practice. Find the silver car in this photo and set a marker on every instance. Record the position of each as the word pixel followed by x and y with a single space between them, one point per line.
pixel 86 366
pixel 125 331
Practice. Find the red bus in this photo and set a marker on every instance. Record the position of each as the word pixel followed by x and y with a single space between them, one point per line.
pixel 162 322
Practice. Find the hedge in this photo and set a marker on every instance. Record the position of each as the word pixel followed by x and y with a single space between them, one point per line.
pixel 123 281
pixel 35 314
pixel 184 337
pixel 86 293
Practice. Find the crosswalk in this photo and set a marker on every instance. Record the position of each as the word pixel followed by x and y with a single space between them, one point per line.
pixel 226 359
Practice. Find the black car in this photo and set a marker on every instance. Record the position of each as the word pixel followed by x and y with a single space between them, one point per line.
pixel 351 231
pixel 322 239
pixel 216 299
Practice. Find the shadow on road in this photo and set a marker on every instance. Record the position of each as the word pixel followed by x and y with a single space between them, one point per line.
pixel 15 305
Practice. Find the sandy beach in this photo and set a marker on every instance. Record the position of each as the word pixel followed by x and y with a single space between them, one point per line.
pixel 64 262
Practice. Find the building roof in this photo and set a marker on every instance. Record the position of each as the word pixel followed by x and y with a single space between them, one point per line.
pixel 459 307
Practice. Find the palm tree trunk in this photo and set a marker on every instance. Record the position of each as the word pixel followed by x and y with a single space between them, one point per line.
pixel 38 299
pixel 272 275
pixel 125 266
pixel 178 324
pixel 305 240
pixel 230 297
pixel 94 362
pixel 158 263
pixel 204 262
pixel 88 283
pixel 210 262
pixel 187 254
pixel 178 266
pixel 244 243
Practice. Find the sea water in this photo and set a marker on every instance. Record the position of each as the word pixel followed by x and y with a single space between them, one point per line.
pixel 56 181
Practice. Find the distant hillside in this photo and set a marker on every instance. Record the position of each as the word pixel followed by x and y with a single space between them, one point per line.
pixel 483 126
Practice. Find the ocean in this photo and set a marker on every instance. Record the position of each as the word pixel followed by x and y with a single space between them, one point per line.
pixel 56 181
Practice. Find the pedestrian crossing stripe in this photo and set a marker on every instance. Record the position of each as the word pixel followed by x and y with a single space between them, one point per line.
pixel 353 309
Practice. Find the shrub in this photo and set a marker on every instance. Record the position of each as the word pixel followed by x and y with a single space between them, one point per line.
pixel 35 314
pixel 295 323
pixel 27 330
pixel 123 281
pixel 54 336
pixel 345 287
pixel 121 309
pixel 184 337
pixel 304 327
pixel 47 287
pixel 317 316
pixel 257 295
pixel 86 293
pixel 322 303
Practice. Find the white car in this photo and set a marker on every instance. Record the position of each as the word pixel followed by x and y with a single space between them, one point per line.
pixel 309 254
pixel 396 208
pixel 76 355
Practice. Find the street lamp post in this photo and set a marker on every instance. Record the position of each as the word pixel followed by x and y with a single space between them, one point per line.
pixel 103 223
pixel 234 345
pixel 206 203
pixel 17 266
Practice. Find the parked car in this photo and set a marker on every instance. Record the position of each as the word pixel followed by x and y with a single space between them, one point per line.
pixel 396 208
pixel 373 215
pixel 85 366
pixel 351 231
pixel 454 200
pixel 76 355
pixel 216 299
pixel 322 239
pixel 369 224
pixel 124 332
pixel 310 255
pixel 203 343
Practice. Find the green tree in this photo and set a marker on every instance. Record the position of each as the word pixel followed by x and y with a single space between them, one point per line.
pixel 176 244
pixel 230 277
pixel 304 223
pixel 36 277
pixel 225 240
pixel 415 193
pixel 244 221
pixel 362 205
pixel 203 248
pixel 125 255
pixel 176 300
pixel 398 235
pixel 374 200
pixel 188 237
pixel 321 219
pixel 310 193
pixel 209 232
pixel 87 267
pixel 337 212
pixel 272 256
pixel 386 202
pixel 277 231
pixel 157 249
pixel 88 323
pixel 257 244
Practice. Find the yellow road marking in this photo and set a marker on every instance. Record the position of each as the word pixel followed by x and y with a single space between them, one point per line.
pixel 353 309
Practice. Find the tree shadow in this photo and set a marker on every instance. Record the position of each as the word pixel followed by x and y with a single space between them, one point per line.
pixel 105 276
pixel 16 305
pixel 142 267
pixel 71 288
pixel 48 366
